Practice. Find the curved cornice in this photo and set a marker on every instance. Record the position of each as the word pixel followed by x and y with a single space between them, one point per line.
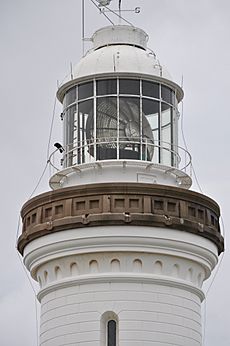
pixel 109 204
pixel 126 277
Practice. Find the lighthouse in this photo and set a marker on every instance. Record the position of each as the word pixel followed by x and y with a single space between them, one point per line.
pixel 120 245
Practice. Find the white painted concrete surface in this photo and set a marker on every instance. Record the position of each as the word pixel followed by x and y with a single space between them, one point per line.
pixel 150 278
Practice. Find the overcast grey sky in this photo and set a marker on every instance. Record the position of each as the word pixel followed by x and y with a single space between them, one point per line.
pixel 38 40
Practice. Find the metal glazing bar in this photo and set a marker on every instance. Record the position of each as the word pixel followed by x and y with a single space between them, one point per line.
pixel 118 119
pixel 159 125
pixel 95 118
pixel 141 115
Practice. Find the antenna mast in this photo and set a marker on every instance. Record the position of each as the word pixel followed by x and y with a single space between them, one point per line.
pixel 119 11
pixel 83 26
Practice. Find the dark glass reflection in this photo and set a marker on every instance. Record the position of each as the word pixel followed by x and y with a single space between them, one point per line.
pixel 150 106
pixel 69 118
pixel 167 94
pixel 129 86
pixel 111 333
pixel 107 87
pixel 150 89
pixel 85 90
pixel 70 96
pixel 69 133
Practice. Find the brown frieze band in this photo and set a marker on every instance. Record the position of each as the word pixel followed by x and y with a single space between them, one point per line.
pixel 120 204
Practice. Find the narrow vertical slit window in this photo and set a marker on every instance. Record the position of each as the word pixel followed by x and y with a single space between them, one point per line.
pixel 111 333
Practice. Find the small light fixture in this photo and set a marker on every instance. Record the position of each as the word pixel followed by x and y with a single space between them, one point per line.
pixel 59 147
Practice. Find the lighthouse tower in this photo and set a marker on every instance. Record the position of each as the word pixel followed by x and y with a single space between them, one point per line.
pixel 120 246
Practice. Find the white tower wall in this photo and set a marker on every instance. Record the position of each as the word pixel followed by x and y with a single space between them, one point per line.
pixel 150 279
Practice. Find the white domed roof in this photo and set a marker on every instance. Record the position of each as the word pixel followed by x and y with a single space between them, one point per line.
pixel 118 50
pixel 119 58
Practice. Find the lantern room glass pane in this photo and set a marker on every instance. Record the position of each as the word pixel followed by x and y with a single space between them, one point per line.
pixel 111 333
pixel 150 127
pixel 176 157
pixel 150 89
pixel 70 96
pixel 129 128
pixel 106 125
pixel 166 133
pixel 129 86
pixel 84 131
pixel 85 90
pixel 107 87
pixel 167 94
pixel 106 118
pixel 150 109
pixel 69 135
pixel 129 118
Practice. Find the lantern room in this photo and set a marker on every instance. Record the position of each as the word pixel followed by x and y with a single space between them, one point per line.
pixel 120 103
pixel 120 109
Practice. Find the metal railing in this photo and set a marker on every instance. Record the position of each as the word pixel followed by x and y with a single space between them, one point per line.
pixel 142 149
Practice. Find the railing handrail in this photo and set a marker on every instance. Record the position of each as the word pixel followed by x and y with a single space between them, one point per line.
pixel 163 145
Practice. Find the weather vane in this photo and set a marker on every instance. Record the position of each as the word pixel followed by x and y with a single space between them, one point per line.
pixel 105 3
pixel 103 6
